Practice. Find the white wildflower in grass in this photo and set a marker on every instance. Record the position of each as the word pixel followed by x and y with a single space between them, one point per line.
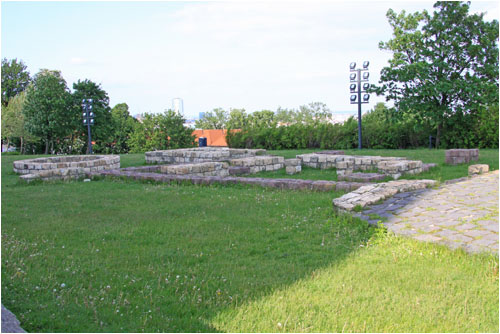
pixel 63 285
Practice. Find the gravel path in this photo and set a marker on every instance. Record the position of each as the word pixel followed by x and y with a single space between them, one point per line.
pixel 462 214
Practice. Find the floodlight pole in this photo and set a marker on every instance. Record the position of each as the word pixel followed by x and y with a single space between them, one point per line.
pixel 359 80
pixel 88 119
pixel 359 109
pixel 90 139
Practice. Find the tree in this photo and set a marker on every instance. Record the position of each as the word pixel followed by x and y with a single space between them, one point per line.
pixel 216 119
pixel 48 109
pixel 15 79
pixel 444 65
pixel 123 126
pixel 13 122
pixel 101 131
pixel 237 119
pixel 261 119
pixel 315 112
pixel 161 132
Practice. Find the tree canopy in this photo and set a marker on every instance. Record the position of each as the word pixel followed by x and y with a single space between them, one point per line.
pixel 444 65
pixel 47 110
pixel 15 79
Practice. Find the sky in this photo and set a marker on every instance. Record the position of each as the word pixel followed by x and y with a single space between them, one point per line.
pixel 234 54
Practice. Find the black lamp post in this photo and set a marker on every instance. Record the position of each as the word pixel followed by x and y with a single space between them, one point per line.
pixel 88 119
pixel 357 77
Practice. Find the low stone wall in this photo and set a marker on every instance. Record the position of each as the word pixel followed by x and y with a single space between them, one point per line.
pixel 371 194
pixel 199 154
pixel 64 167
pixel 461 156
pixel 197 169
pixel 260 163
pixel 347 164
pixel 290 184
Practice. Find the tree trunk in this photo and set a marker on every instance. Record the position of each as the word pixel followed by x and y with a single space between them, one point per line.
pixel 47 145
pixel 21 150
pixel 438 134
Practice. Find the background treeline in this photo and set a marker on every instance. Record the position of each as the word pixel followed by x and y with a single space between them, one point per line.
pixel 311 126
pixel 41 115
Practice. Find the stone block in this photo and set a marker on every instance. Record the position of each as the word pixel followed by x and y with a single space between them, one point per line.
pixel 478 169
pixel 293 169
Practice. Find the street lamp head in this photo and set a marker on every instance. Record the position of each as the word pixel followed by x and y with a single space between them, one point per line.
pixel 353 76
pixel 353 87
pixel 91 114
pixel 91 121
pixel 366 97
pixel 352 66
pixel 84 121
pixel 366 64
pixel 353 98
pixel 366 75
pixel 366 85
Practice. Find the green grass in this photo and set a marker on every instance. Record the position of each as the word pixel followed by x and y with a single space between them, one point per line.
pixel 144 257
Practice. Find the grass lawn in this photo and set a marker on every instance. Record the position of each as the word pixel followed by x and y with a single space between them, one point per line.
pixel 127 256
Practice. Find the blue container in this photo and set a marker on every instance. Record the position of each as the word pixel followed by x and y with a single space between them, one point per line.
pixel 202 141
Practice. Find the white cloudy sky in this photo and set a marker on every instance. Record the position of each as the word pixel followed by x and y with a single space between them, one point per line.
pixel 253 55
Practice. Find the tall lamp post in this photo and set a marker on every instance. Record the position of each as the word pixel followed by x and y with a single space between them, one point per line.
pixel 88 119
pixel 357 77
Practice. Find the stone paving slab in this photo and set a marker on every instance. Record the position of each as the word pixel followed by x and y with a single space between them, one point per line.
pixel 457 214
pixel 10 324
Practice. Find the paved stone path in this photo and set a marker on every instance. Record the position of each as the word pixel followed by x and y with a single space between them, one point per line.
pixel 462 214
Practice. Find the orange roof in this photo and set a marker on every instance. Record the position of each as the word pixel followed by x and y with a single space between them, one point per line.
pixel 215 137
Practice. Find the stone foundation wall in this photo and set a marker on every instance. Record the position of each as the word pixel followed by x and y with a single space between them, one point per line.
pixel 197 169
pixel 200 154
pixel 288 184
pixel 347 164
pixel 461 156
pixel 64 167
pixel 260 163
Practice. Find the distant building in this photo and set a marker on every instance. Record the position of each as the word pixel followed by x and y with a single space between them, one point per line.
pixel 138 117
pixel 178 106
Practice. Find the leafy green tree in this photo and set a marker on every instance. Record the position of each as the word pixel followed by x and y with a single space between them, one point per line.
pixel 286 116
pixel 216 119
pixel 123 126
pixel 161 132
pixel 443 64
pixel 237 119
pixel 315 112
pixel 13 122
pixel 48 109
pixel 102 130
pixel 15 79
pixel 262 119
